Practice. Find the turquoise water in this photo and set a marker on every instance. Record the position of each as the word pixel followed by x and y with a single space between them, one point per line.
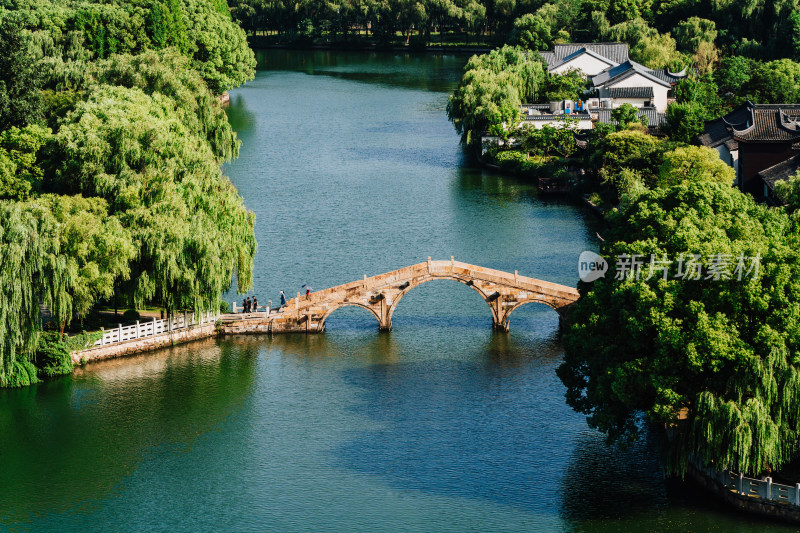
pixel 351 167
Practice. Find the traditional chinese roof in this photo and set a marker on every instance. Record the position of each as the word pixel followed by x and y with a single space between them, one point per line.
pixel 780 172
pixel 667 75
pixel 771 123
pixel 553 116
pixel 538 107
pixel 615 52
pixel 613 75
pixel 655 120
pixel 550 59
pixel 609 53
pixel 626 92
pixel 720 131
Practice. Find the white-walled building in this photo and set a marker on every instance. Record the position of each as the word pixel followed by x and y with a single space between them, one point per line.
pixel 632 83
pixel 617 79
pixel 589 58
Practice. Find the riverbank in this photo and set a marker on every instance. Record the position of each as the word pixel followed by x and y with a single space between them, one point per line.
pixel 759 497
pixel 155 335
pixel 265 43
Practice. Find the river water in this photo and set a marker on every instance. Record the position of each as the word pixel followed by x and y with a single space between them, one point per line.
pixel 352 168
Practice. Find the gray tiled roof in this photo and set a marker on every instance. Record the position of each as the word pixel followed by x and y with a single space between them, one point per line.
pixel 552 116
pixel 626 92
pixel 655 120
pixel 669 76
pixel 731 145
pixel 720 131
pixel 771 123
pixel 616 52
pixel 624 70
pixel 549 58
pixel 782 171
pixel 540 107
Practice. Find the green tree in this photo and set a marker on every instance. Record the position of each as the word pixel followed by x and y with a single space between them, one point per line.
pixel 492 89
pixel 789 191
pixel 219 51
pixel 170 74
pixel 192 233
pixel 628 149
pixel 623 10
pixel 776 82
pixel 20 173
pixel 697 100
pixel 532 32
pixel 706 58
pixel 691 32
pixel 166 26
pixel 627 114
pixel 734 73
pixel 685 121
pixel 693 163
pixel 558 140
pixel 657 52
pixel 20 78
pixel 31 268
pixel 566 86
pixel 97 249
pixel 718 352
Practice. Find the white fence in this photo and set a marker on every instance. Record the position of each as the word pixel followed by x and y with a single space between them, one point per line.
pixel 152 327
pixel 763 489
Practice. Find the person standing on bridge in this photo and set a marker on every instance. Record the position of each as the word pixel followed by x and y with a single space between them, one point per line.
pixel 244 305
pixel 283 299
pixel 255 305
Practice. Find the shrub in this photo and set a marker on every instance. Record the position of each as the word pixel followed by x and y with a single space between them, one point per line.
pixel 131 315
pixel 511 159
pixel 52 355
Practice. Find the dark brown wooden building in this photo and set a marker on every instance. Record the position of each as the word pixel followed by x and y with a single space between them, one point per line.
pixel 754 137
pixel 780 172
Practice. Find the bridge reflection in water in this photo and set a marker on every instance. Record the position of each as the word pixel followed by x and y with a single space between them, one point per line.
pixel 504 292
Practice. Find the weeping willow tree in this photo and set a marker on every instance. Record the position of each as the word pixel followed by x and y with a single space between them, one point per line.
pixel 169 73
pixel 162 180
pixel 97 248
pixel 32 270
pixel 492 89
pixel 752 425
pixel 716 360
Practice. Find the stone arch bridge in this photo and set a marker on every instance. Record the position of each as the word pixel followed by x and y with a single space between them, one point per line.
pixel 503 292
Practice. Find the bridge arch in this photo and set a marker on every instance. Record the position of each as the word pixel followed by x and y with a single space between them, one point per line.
pixel 324 319
pixel 503 323
pixel 421 281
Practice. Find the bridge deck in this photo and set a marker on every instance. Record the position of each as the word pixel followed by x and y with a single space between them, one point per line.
pixel 503 291
pixel 441 268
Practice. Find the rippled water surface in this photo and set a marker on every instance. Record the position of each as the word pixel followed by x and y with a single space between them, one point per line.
pixel 351 167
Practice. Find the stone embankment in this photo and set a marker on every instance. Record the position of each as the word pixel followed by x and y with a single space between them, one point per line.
pixel 144 344
pixel 755 496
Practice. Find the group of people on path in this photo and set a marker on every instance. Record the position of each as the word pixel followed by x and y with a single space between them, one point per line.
pixel 251 306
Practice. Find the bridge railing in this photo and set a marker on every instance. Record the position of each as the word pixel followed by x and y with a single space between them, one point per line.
pixel 441 267
pixel 155 326
pixel 762 489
